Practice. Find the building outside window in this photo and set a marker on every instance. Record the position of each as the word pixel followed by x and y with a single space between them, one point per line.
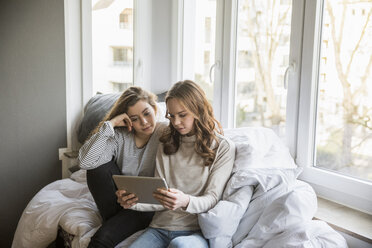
pixel 112 45
pixel 126 19
pixel 122 55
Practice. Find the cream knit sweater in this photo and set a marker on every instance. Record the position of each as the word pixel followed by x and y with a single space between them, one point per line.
pixel 185 171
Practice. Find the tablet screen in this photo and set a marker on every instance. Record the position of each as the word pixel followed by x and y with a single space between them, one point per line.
pixel 142 187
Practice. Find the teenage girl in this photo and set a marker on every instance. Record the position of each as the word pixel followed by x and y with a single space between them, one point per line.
pixel 125 142
pixel 196 161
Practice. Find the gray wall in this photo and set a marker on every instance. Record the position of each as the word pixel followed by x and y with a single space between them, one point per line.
pixel 32 103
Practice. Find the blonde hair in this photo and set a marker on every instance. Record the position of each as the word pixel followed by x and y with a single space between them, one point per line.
pixel 193 98
pixel 128 99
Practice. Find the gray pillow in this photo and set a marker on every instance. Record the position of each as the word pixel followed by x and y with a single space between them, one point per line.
pixel 94 112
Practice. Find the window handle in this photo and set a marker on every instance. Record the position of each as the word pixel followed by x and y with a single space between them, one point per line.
pixel 291 68
pixel 217 65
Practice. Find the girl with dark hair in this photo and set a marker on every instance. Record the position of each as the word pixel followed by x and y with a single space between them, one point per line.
pixel 125 142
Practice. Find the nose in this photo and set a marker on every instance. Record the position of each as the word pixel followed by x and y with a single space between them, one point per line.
pixel 176 121
pixel 143 121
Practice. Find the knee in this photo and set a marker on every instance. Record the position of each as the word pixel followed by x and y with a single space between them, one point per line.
pixel 188 241
pixel 102 239
pixel 179 242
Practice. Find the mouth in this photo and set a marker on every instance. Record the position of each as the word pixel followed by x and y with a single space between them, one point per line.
pixel 180 129
pixel 146 128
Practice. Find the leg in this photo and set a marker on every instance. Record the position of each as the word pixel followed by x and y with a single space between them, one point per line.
pixel 194 240
pixel 152 237
pixel 119 227
pixel 103 189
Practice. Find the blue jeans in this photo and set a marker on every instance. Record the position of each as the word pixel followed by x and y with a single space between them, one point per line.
pixel 160 238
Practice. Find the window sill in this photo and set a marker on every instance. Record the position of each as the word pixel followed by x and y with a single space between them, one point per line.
pixel 346 220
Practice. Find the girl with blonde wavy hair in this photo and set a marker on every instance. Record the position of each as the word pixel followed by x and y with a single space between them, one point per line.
pixel 196 161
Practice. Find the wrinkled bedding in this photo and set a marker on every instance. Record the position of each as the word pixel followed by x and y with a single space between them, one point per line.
pixel 66 203
pixel 267 208
pixel 263 205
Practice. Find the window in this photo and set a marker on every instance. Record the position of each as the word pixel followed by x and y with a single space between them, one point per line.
pixel 335 105
pixel 208 30
pixel 344 133
pixel 282 69
pixel 198 53
pixel 245 59
pixel 126 19
pixel 122 55
pixel 120 86
pixel 94 29
pixel 112 44
pixel 262 46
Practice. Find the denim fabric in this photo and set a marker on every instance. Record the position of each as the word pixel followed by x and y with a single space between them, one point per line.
pixel 160 238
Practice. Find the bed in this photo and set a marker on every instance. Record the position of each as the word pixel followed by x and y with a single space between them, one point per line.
pixel 263 205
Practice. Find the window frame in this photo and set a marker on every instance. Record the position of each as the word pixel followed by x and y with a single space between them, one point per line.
pixel 78 58
pixel 301 93
pixel 301 102
pixel 343 189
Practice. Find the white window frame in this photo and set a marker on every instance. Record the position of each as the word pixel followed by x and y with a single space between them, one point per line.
pixel 301 102
pixel 339 188
pixel 183 14
pixel 78 58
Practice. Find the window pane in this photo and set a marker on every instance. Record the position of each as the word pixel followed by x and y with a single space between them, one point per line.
pixel 261 60
pixel 112 45
pixel 344 111
pixel 204 50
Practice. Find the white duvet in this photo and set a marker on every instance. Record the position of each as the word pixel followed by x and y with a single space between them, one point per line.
pixel 264 205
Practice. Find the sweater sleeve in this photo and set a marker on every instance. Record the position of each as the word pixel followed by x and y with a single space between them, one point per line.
pixel 219 175
pixel 99 149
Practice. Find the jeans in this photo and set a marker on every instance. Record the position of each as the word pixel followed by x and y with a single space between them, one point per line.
pixel 160 238
pixel 118 223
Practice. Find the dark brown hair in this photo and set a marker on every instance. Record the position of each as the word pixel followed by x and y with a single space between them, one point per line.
pixel 129 98
pixel 193 98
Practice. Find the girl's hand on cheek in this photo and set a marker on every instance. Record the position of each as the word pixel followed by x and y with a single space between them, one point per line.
pixel 122 120
pixel 172 199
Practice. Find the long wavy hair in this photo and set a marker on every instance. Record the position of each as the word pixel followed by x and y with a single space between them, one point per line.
pixel 128 99
pixel 193 98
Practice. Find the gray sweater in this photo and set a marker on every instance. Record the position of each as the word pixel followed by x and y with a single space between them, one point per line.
pixel 109 143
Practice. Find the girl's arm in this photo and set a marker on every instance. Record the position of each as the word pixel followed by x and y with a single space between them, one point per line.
pixel 217 180
pixel 99 149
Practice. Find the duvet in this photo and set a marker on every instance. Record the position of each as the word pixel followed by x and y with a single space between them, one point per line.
pixel 263 205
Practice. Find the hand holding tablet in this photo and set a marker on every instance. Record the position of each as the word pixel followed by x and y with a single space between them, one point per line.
pixel 142 187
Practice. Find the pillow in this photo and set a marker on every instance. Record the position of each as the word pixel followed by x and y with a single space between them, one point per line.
pixel 96 109
pixel 94 112
pixel 259 147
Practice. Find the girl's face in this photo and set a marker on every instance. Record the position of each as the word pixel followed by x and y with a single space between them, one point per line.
pixel 182 119
pixel 142 115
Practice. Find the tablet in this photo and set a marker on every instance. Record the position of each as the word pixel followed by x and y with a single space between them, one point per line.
pixel 142 187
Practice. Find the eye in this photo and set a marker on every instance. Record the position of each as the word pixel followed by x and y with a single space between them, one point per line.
pixel 183 115
pixel 134 119
pixel 146 113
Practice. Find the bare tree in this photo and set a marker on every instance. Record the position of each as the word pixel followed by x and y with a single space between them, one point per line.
pixel 265 25
pixel 352 115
